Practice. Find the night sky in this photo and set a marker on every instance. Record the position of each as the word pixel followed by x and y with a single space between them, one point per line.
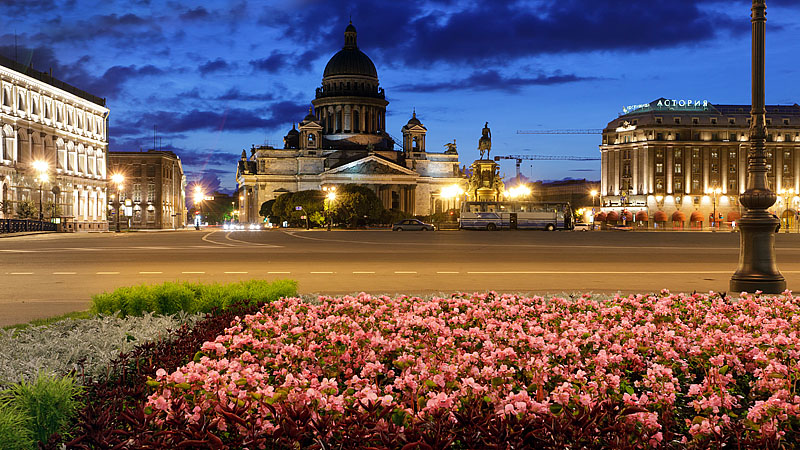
pixel 218 77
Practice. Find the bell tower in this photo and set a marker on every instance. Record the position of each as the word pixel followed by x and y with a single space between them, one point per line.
pixel 414 136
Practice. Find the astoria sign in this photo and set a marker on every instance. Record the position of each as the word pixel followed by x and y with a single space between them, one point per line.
pixel 671 104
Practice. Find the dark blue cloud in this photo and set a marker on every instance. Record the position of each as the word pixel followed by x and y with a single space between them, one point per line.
pixel 492 80
pixel 216 65
pixel 194 14
pixel 235 119
pixel 278 62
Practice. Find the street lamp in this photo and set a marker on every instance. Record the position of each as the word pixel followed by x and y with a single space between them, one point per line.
pixel 594 213
pixel 757 269
pixel 329 197
pixel 198 199
pixel 118 179
pixel 786 194
pixel 41 176
pixel 715 191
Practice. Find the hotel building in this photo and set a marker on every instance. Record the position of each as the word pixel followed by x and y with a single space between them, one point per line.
pixel 681 160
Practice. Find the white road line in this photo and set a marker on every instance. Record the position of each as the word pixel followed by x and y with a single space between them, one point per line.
pixel 107 273
pixel 235 272
pixel 64 273
pixel 228 237
pixel 205 238
pixel 192 272
pixel 322 272
pixel 362 272
pixel 279 272
pixel 404 272
pixel 597 272
pixel 21 273
pixel 149 273
pixel 447 272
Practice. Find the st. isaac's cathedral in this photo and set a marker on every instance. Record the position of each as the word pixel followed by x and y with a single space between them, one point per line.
pixel 343 140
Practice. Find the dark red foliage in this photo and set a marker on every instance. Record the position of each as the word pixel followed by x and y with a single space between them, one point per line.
pixel 115 417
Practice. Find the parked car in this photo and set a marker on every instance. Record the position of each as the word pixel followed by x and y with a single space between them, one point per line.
pixel 582 226
pixel 412 225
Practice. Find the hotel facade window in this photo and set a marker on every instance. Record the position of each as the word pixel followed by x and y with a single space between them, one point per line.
pixel 698 147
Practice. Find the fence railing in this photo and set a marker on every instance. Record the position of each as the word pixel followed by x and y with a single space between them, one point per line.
pixel 24 225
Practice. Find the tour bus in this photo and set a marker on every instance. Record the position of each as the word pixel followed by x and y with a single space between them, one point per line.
pixel 516 215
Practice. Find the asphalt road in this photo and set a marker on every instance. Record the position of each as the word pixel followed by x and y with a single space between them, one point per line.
pixel 45 275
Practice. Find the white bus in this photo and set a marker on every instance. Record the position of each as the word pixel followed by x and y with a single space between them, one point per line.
pixel 516 215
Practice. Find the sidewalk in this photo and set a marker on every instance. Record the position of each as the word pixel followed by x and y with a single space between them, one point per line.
pixel 25 233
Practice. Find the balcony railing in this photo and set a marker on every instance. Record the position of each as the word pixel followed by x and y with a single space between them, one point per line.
pixel 24 225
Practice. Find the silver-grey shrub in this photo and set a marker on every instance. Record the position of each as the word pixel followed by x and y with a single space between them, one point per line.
pixel 79 345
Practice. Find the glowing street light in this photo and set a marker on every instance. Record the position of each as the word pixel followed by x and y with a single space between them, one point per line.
pixel 118 179
pixel 330 197
pixel 42 177
pixel 785 195
pixel 198 197
pixel 715 191
pixel 517 192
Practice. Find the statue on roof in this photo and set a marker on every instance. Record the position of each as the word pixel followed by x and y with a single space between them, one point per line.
pixel 451 147
pixel 485 142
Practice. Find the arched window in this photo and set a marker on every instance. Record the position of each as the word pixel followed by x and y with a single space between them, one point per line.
pixel 356 121
pixel 312 141
pixel 21 103
pixel 416 143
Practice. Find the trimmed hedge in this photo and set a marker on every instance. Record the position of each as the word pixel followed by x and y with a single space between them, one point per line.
pixel 172 297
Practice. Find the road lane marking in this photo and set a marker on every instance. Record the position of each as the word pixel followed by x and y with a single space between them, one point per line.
pixel 447 272
pixel 64 273
pixel 21 273
pixel 228 237
pixel 107 273
pixel 323 272
pixel 192 272
pixel 149 273
pixel 205 238
pixel 235 272
pixel 597 272
pixel 279 272
pixel 362 272
pixel 403 272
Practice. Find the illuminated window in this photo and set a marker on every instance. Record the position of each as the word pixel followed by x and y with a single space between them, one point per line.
pixel 677 167
pixel 659 168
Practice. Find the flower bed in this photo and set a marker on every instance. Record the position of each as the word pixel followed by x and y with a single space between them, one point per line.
pixel 475 371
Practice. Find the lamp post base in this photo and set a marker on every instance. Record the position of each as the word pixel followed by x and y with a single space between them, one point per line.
pixel 757 269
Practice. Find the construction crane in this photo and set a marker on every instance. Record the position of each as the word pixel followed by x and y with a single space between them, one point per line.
pixel 563 131
pixel 520 158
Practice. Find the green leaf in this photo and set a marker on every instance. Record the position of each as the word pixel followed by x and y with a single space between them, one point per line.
pixel 153 383
pixel 399 417
pixel 724 369
pixel 431 384
pixel 698 420
pixel 183 386
pixel 556 408
pixel 197 356
pixel 240 382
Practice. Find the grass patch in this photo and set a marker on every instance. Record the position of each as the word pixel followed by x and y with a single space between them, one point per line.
pixel 46 405
pixel 172 297
pixel 14 433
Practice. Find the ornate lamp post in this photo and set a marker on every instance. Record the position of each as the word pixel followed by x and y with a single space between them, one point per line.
pixel 118 179
pixel 594 213
pixel 786 194
pixel 757 268
pixel 714 191
pixel 198 199
pixel 329 198
pixel 41 176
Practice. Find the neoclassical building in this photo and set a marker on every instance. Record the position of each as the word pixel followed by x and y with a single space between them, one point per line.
pixel 672 156
pixel 343 140
pixel 155 184
pixel 46 120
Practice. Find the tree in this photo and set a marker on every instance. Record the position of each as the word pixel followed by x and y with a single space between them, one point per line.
pixel 285 207
pixel 26 209
pixel 266 208
pixel 356 204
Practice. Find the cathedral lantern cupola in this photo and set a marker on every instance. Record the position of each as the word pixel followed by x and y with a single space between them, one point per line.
pixel 414 136
pixel 292 138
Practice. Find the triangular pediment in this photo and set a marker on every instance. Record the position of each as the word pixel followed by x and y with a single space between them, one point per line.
pixel 371 165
